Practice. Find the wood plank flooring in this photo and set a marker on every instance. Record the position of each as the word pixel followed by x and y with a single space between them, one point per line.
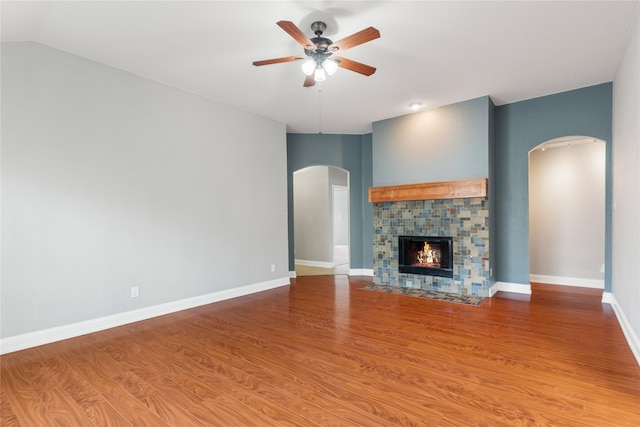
pixel 321 352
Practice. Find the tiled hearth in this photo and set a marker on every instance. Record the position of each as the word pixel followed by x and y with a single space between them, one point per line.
pixel 465 219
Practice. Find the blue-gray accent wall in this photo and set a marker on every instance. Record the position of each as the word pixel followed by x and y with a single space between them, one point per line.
pixel 512 130
pixel 441 144
pixel 349 152
pixel 493 256
pixel 522 126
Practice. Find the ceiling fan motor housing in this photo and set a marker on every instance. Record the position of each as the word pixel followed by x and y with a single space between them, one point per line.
pixel 321 51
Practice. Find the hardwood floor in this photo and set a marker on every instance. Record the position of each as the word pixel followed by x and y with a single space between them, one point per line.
pixel 321 352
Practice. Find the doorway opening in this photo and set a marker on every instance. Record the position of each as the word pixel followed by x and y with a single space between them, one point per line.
pixel 321 221
pixel 567 212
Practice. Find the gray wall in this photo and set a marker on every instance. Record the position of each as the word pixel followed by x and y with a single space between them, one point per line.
pixel 312 215
pixel 340 215
pixel 353 154
pixel 446 143
pixel 338 177
pixel 522 126
pixel 110 180
pixel 626 191
pixel 566 212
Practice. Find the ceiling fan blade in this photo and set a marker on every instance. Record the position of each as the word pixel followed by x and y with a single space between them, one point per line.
pixel 297 34
pixel 277 60
pixel 352 65
pixel 309 81
pixel 356 39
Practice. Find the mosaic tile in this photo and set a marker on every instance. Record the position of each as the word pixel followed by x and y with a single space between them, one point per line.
pixel 467 220
pixel 430 294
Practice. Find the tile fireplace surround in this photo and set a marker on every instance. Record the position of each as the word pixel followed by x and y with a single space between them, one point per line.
pixel 462 216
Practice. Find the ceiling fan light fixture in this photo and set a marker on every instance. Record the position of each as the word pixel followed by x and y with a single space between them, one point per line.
pixel 309 66
pixel 330 66
pixel 319 74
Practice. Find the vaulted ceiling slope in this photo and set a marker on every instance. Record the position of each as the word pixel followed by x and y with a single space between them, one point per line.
pixel 434 52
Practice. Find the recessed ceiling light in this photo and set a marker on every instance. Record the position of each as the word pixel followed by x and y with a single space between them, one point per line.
pixel 415 105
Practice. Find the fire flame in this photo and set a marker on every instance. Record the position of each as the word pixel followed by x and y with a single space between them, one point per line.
pixel 428 255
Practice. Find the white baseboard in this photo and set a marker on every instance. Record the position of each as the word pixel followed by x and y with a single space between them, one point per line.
pixel 352 272
pixel 361 272
pixel 46 336
pixel 517 288
pixel 567 281
pixel 309 263
pixel 627 330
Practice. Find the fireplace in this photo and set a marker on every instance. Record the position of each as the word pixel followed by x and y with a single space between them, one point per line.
pixel 447 208
pixel 431 256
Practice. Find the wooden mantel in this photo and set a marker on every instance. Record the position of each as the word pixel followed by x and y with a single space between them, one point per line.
pixel 458 189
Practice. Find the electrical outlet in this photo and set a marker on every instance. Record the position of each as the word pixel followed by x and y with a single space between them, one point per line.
pixel 135 292
pixel 273 268
pixel 409 284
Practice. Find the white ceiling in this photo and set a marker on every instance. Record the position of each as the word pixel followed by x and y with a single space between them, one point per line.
pixel 434 52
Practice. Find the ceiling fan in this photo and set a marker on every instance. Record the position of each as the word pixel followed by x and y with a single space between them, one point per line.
pixel 319 52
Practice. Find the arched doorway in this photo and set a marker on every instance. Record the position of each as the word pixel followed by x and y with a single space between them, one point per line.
pixel 567 212
pixel 321 220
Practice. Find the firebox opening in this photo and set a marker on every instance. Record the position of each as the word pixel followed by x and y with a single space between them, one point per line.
pixel 432 256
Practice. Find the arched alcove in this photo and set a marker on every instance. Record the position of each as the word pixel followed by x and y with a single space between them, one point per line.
pixel 567 185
